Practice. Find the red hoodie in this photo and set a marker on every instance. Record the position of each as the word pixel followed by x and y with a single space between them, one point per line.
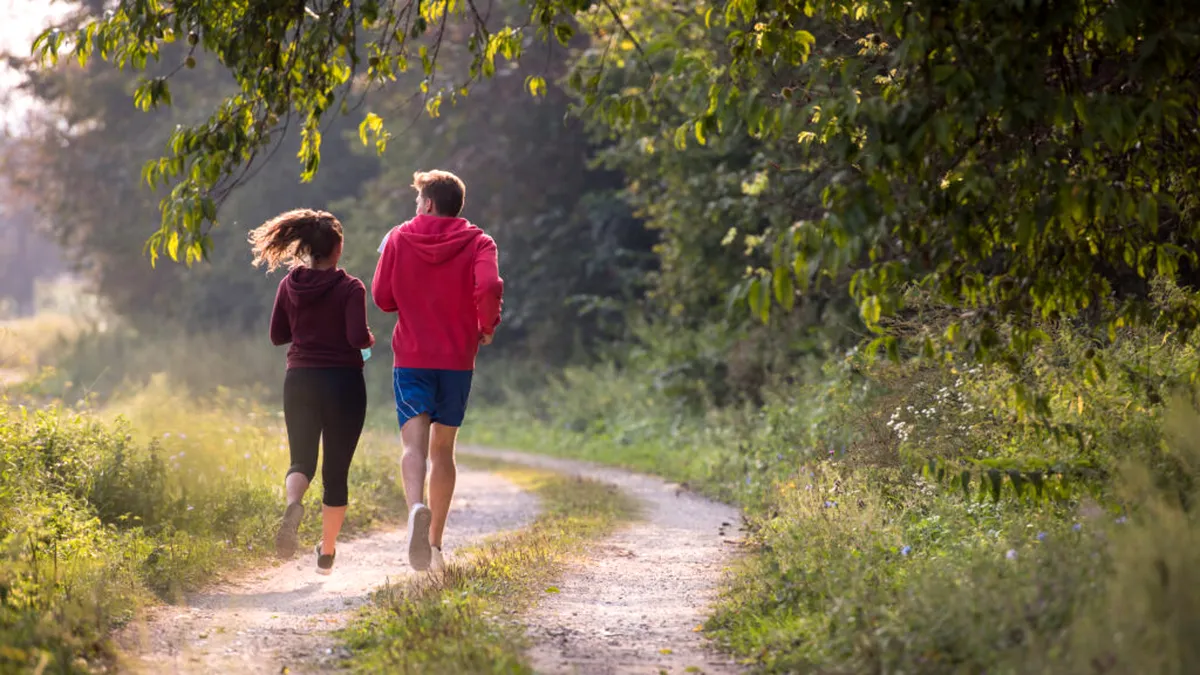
pixel 441 278
pixel 323 313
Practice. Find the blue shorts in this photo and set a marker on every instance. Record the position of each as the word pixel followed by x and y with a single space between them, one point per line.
pixel 441 394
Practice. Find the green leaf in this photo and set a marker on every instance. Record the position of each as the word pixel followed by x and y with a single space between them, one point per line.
pixel 1018 482
pixel 681 137
pixel 372 123
pixel 1039 483
pixel 173 245
pixel 805 41
pixel 785 292
pixel 369 10
pixel 419 27
pixel 870 310
pixel 800 270
pixel 536 85
pixel 764 302
pixel 997 481
pixel 563 32
pixel 754 296
pixel 746 7
pixel 893 348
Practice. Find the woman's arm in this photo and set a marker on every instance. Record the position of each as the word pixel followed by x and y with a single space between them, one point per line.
pixel 281 327
pixel 358 333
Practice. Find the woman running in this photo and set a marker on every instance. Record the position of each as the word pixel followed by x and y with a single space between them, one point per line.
pixel 322 311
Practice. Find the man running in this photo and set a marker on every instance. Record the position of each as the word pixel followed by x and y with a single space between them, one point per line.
pixel 439 274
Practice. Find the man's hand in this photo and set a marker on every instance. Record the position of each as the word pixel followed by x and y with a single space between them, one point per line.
pixel 486 339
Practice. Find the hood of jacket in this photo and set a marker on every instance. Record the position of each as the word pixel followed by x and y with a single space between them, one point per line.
pixel 305 286
pixel 437 239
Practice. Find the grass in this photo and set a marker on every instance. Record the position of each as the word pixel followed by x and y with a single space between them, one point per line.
pixel 608 416
pixel 1070 549
pixel 28 344
pixel 464 621
pixel 104 511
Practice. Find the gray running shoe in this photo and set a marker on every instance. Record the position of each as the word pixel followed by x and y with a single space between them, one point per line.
pixel 287 539
pixel 419 553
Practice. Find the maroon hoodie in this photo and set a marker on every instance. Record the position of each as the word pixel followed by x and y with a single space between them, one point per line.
pixel 323 313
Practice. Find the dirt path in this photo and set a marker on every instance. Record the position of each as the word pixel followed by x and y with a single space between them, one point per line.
pixel 282 617
pixel 632 606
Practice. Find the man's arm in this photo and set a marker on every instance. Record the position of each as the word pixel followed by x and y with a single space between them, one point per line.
pixel 489 288
pixel 358 333
pixel 381 285
pixel 281 327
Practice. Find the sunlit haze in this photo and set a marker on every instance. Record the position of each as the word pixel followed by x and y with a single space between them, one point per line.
pixel 20 22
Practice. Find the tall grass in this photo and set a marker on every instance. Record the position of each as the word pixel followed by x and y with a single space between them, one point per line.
pixel 29 344
pixel 918 517
pixel 104 510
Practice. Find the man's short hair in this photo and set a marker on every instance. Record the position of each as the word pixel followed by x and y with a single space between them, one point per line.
pixel 444 189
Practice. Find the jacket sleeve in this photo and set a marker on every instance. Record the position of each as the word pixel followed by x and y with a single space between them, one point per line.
pixel 489 287
pixel 381 285
pixel 281 327
pixel 358 333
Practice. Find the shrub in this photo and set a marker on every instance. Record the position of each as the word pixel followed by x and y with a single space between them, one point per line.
pixel 919 516
pixel 99 518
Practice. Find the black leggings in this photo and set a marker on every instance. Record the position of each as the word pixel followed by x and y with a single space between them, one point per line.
pixel 329 404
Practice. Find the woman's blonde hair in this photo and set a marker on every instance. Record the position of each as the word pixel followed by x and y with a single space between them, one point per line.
pixel 295 238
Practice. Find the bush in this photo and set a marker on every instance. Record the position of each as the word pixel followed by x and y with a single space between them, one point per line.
pixel 918 516
pixel 98 518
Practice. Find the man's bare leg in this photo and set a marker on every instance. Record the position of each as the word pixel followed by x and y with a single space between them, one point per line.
pixel 441 478
pixel 414 435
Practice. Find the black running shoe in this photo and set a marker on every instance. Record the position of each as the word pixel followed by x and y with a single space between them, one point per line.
pixel 324 562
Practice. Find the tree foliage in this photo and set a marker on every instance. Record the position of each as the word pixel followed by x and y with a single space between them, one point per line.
pixel 1020 161
pixel 1019 174
pixel 1023 161
pixel 79 163
pixel 292 62
pixel 569 244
